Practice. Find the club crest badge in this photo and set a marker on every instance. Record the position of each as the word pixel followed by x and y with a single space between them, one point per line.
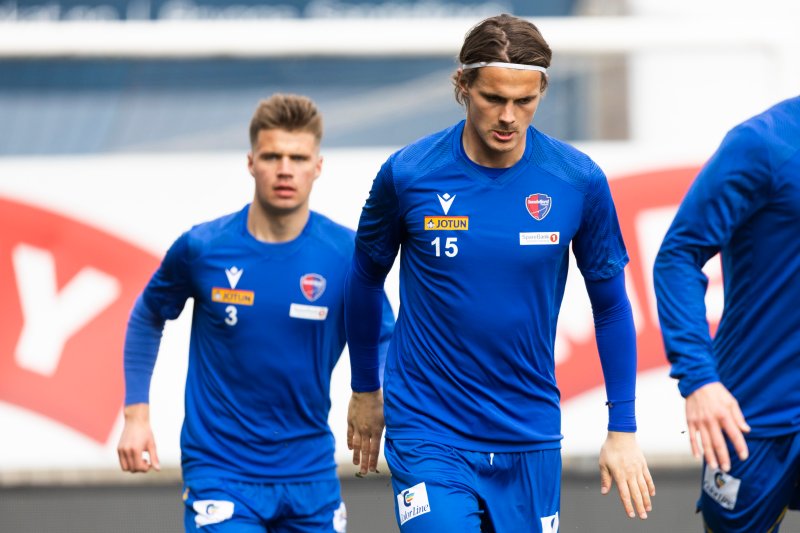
pixel 312 285
pixel 538 205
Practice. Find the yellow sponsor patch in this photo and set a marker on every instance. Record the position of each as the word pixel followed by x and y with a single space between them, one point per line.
pixel 446 223
pixel 232 296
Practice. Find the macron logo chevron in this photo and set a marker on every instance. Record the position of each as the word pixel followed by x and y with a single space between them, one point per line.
pixel 446 201
pixel 233 274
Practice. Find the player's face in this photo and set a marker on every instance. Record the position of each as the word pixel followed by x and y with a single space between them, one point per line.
pixel 284 165
pixel 500 105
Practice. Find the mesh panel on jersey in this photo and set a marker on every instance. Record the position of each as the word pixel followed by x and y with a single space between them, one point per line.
pixel 423 158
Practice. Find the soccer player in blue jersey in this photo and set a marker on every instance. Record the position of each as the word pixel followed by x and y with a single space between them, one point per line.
pixel 267 329
pixel 742 388
pixel 485 212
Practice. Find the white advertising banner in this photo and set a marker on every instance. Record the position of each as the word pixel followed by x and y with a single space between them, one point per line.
pixel 81 236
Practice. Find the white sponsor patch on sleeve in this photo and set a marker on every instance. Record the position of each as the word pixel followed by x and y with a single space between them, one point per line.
pixel 721 487
pixel 308 312
pixel 413 502
pixel 211 511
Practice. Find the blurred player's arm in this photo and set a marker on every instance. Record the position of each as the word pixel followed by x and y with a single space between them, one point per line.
pixel 142 342
pixel 162 299
pixel 734 183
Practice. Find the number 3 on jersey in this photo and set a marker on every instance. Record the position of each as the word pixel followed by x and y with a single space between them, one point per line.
pixel 450 246
pixel 231 319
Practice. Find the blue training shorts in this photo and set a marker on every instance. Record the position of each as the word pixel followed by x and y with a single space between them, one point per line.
pixel 755 495
pixel 224 506
pixel 439 488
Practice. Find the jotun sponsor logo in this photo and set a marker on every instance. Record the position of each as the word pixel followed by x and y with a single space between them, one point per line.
pixel 232 296
pixel 446 223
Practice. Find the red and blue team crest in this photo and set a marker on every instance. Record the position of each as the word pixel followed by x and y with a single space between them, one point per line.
pixel 538 205
pixel 312 285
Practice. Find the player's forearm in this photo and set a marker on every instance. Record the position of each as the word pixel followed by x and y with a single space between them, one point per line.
pixel 363 317
pixel 142 341
pixel 680 288
pixel 616 343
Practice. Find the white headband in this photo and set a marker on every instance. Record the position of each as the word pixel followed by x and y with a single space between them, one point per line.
pixel 515 66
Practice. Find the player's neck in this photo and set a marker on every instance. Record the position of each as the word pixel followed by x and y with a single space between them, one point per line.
pixel 275 227
pixel 479 151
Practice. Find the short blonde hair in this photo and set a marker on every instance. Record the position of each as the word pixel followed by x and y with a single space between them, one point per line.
pixel 290 112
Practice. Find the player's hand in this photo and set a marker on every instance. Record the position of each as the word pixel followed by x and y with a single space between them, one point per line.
pixel 623 463
pixel 712 413
pixel 137 447
pixel 365 429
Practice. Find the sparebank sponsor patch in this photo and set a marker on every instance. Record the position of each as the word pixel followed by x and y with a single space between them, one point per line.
pixel 308 312
pixel 413 502
pixel 232 296
pixel 533 238
pixel 721 487
pixel 446 223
